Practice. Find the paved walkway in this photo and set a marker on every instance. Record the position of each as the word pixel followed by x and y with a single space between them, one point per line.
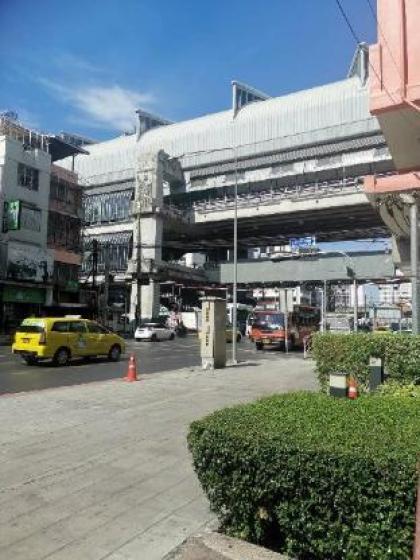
pixel 102 470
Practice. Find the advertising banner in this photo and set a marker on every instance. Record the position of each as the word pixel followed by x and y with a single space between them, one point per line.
pixel 29 262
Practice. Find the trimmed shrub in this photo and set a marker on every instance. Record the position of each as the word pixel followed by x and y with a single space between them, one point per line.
pixel 396 389
pixel 350 353
pixel 314 477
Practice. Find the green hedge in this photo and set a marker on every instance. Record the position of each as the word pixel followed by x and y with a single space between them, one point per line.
pixel 350 353
pixel 395 389
pixel 312 476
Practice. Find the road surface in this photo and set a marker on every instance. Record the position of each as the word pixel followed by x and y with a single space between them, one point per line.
pixel 16 376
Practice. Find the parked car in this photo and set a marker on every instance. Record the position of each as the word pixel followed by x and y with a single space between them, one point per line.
pixel 154 332
pixel 63 338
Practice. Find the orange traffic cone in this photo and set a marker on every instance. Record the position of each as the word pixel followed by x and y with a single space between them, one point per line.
pixel 352 389
pixel 132 370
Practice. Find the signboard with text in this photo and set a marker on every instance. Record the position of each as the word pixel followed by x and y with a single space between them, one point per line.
pixel 302 244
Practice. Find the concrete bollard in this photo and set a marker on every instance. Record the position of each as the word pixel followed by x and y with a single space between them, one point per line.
pixel 376 374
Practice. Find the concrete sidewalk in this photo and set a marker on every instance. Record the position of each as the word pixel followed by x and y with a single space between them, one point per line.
pixel 102 470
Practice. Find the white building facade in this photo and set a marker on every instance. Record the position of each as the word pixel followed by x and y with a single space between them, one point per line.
pixel 26 263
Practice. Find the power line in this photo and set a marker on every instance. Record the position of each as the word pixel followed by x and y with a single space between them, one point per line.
pixel 347 20
pixel 375 17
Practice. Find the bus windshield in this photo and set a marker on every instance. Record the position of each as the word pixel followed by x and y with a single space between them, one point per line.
pixel 269 321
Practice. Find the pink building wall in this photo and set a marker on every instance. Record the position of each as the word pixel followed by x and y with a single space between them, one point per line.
pixel 395 81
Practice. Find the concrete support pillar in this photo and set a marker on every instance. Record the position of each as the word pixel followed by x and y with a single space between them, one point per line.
pixel 133 312
pixel 401 253
pixel 151 230
pixel 152 170
pixel 150 300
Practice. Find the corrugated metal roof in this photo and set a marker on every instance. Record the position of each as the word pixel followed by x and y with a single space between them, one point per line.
pixel 334 111
pixel 316 115
pixel 111 160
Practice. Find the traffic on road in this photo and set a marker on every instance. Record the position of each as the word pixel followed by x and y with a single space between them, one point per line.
pixel 151 357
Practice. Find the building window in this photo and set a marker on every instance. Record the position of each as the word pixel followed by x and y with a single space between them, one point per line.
pixel 63 231
pixel 28 177
pixel 30 218
pixel 65 273
pixel 67 194
pixel 107 207
pixel 114 249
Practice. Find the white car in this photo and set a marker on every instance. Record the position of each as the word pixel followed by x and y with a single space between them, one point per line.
pixel 154 332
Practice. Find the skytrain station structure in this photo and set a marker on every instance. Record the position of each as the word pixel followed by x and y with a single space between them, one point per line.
pixel 297 163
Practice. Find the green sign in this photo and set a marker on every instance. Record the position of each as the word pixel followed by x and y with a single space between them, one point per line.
pixel 11 215
pixel 14 294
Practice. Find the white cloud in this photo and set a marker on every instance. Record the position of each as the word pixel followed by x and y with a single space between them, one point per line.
pixel 113 105
pixel 108 106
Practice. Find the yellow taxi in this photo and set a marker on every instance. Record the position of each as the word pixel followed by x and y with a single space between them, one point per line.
pixel 63 338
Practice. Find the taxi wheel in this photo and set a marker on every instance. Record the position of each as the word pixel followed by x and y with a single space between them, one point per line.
pixel 114 353
pixel 153 338
pixel 259 345
pixel 61 357
pixel 171 336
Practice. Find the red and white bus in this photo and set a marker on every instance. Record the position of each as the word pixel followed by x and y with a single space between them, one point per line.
pixel 270 328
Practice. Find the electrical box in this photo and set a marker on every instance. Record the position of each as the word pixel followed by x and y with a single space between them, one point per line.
pixel 213 333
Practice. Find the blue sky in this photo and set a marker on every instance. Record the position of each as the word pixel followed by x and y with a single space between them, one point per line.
pixel 84 66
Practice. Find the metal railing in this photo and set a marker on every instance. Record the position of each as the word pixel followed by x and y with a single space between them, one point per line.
pixel 270 196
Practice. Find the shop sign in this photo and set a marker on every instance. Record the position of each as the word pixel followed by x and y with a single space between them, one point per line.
pixel 29 262
pixel 14 294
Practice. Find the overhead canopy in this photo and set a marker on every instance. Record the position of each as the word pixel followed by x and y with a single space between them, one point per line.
pixel 60 149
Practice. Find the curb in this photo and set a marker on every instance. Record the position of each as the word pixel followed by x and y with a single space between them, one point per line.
pixel 215 546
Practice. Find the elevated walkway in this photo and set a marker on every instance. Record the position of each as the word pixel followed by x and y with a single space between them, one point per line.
pixel 367 265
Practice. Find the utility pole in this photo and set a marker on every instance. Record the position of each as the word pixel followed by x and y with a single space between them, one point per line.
pixel 414 257
pixel 104 307
pixel 355 304
pixel 95 273
pixel 324 307
pixel 235 266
